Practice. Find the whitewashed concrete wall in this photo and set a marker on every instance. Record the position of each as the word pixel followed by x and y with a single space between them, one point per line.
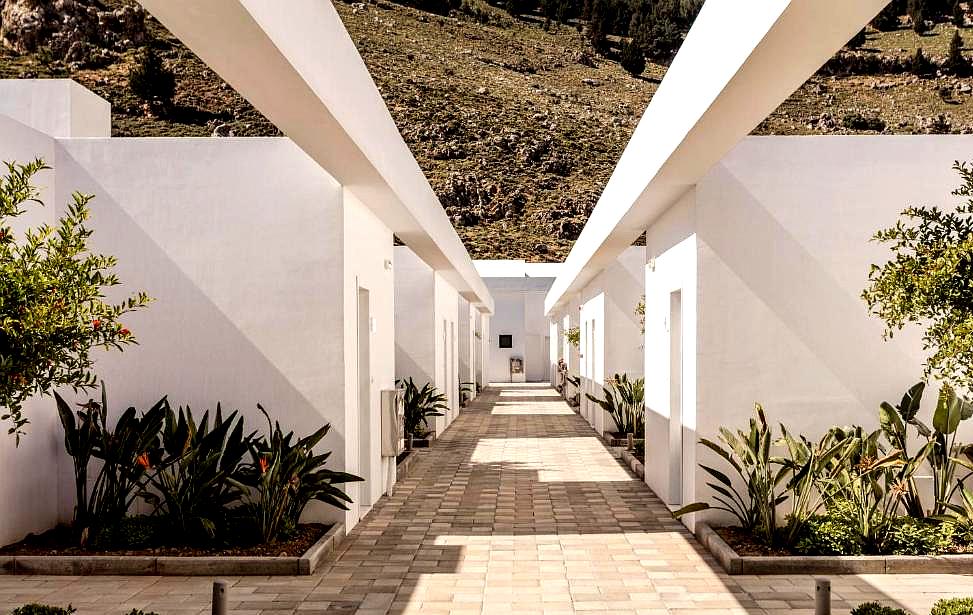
pixel 671 273
pixel 241 243
pixel 56 107
pixel 425 316
pixel 368 262
pixel 780 238
pixel 519 312
pixel 610 334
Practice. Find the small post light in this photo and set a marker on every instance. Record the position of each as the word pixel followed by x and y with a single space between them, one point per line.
pixel 219 597
pixel 822 597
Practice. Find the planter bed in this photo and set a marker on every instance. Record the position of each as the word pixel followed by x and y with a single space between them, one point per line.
pixel 634 463
pixel 403 463
pixel 425 442
pixel 316 543
pixel 615 439
pixel 735 563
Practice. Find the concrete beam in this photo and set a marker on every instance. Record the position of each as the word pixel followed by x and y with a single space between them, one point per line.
pixel 738 63
pixel 300 68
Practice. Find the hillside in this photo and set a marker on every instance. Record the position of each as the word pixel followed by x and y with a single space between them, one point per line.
pixel 518 127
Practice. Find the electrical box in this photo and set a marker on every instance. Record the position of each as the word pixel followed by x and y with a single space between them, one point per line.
pixel 393 422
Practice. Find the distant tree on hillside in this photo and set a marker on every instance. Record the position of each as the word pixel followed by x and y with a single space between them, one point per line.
pixel 956 63
pixel 958 15
pixel 150 80
pixel 632 59
pixel 888 19
pixel 598 25
pixel 917 13
pixel 921 65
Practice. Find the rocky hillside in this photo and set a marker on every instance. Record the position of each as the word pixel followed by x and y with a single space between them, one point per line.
pixel 516 125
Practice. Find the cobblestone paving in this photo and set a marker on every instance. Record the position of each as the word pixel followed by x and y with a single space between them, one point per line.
pixel 518 508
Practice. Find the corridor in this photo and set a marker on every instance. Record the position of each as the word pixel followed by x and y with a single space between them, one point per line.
pixel 518 508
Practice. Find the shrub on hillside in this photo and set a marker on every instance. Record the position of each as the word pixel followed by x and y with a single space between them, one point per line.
pixel 920 65
pixel 956 63
pixel 632 59
pixel 858 40
pixel 150 80
pixel 856 120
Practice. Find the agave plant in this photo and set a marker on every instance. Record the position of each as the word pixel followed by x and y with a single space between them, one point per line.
pixel 285 475
pixel 421 405
pixel 129 454
pixel 195 491
pixel 625 403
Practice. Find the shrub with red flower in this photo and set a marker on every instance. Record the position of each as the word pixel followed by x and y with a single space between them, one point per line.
pixel 52 299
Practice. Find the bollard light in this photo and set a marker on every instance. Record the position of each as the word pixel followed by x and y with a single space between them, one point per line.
pixel 219 597
pixel 822 597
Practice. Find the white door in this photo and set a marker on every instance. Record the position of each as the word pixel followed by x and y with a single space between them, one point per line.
pixel 364 399
pixel 675 399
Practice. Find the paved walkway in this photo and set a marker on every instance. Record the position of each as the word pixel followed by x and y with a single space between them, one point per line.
pixel 517 509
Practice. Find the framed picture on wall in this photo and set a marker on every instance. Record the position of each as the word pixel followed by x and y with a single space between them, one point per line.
pixel 506 341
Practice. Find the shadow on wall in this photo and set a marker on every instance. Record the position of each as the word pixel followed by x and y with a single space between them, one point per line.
pixel 193 352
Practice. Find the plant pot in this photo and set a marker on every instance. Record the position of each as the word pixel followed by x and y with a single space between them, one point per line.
pixel 408 441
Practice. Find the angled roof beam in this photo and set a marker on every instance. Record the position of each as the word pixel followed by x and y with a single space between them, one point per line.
pixel 738 63
pixel 295 62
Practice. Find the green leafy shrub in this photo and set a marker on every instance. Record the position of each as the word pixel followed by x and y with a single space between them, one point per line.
pixel 43 609
pixel 953 606
pixel 625 403
pixel 284 476
pixel 194 492
pixel 573 335
pixel 150 80
pixel 420 405
pixel 833 533
pixel 128 453
pixel 874 608
pixel 141 612
pixel 52 307
pixel 135 532
pixel 908 536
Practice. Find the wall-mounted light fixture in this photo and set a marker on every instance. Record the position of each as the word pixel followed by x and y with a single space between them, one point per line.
pixel 388 264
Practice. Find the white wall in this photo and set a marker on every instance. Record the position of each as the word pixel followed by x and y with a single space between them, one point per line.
pixel 671 446
pixel 779 239
pixel 425 317
pixel 368 262
pixel 610 334
pixel 56 107
pixel 518 289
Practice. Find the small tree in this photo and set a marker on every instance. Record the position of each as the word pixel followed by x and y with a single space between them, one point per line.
pixel 958 15
pixel 927 283
pixel 52 307
pixel 632 59
pixel 150 80
pixel 956 63
pixel 921 65
pixel 888 19
pixel 917 12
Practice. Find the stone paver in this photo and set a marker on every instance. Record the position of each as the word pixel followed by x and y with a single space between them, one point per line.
pixel 518 508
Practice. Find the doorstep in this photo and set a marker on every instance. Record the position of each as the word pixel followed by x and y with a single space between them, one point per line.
pixel 733 563
pixel 80 565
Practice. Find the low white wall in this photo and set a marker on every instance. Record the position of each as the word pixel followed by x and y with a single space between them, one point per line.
pixel 56 107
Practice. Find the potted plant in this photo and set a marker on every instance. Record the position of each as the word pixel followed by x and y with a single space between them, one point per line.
pixel 420 404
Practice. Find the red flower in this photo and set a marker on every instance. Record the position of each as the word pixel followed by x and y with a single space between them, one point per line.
pixel 264 464
pixel 124 332
pixel 96 324
pixel 143 460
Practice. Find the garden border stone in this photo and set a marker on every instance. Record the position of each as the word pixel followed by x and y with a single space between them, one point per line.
pixel 733 563
pixel 633 463
pixel 402 469
pixel 135 565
